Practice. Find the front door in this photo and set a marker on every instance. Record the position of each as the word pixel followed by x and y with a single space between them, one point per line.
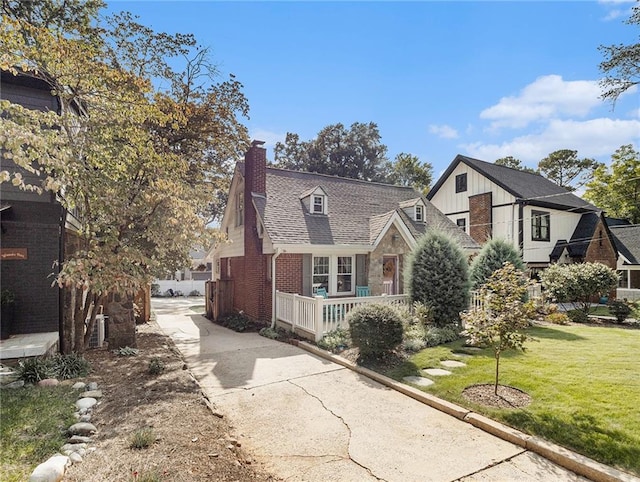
pixel 390 275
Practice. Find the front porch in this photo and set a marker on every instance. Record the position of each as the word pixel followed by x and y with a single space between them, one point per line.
pixel 313 317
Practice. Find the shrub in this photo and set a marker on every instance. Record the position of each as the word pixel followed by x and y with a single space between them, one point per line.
pixel 126 351
pixel 156 366
pixel 32 370
pixel 620 309
pixel 335 340
pixel 195 293
pixel 437 275
pixel 69 366
pixel 438 335
pixel 375 329
pixel 578 283
pixel 557 318
pixel 269 332
pixel 491 258
pixel 155 289
pixel 578 316
pixel 142 439
pixel 237 322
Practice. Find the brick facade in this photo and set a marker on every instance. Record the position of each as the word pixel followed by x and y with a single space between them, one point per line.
pixel 600 248
pixel 480 217
pixel 289 273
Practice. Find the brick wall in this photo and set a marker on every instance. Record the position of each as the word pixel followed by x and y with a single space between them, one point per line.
pixel 480 217
pixel 600 248
pixel 289 273
pixel 34 226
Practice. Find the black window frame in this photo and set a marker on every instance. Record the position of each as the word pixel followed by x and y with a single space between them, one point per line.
pixel 462 224
pixel 537 227
pixel 461 182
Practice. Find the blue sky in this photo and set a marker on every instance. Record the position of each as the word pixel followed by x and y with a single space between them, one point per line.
pixel 484 79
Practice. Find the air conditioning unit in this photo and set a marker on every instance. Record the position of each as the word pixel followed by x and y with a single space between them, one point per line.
pixel 97 336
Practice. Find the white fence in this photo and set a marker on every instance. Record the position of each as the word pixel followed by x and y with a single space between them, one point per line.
pixel 184 287
pixel 320 315
pixel 534 291
pixel 630 294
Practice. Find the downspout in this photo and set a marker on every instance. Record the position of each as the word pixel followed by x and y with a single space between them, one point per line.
pixel 276 253
pixel 61 255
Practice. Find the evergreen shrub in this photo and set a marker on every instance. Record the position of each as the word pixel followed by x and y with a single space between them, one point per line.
pixel 375 329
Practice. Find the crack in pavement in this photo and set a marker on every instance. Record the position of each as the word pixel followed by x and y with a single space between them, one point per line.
pixel 494 464
pixel 347 427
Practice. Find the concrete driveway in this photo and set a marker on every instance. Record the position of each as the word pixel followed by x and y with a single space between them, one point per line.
pixel 306 418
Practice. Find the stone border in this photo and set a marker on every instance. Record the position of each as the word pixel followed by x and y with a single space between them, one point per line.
pixel 566 458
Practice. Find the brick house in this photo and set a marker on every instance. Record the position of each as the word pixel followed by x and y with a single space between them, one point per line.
pixel 296 232
pixel 544 221
pixel 627 239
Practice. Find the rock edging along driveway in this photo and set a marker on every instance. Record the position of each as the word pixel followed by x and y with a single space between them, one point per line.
pixel 566 458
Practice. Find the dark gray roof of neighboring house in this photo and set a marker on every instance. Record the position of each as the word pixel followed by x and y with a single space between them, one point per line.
pixel 358 210
pixel 531 187
pixel 627 239
pixel 582 235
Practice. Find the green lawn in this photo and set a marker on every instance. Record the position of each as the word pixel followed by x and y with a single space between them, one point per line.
pixel 584 381
pixel 32 423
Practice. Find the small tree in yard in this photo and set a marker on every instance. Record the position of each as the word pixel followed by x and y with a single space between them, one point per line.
pixel 501 322
pixel 578 283
pixel 491 258
pixel 437 275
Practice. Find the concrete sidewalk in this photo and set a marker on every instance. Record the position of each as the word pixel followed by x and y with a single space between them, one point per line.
pixel 307 418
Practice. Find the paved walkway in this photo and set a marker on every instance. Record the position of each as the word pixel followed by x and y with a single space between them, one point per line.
pixel 306 418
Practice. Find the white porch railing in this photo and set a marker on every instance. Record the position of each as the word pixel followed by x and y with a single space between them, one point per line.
pixel 628 293
pixel 320 315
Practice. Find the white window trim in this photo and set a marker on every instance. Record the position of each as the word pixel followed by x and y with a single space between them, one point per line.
pixel 323 204
pixel 419 208
pixel 333 273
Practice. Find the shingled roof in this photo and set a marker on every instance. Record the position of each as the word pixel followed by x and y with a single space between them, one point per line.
pixel 627 239
pixel 357 210
pixel 530 187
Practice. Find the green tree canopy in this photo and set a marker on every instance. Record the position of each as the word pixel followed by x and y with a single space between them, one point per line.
pixel 512 162
pixel 139 149
pixel 407 170
pixel 493 255
pixel 567 170
pixel 616 188
pixel 354 152
pixel 621 64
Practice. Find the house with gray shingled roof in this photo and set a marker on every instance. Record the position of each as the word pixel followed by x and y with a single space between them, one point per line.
pixel 296 232
pixel 544 221
pixel 627 239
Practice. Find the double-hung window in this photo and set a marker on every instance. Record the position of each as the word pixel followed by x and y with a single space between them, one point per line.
pixel 318 204
pixel 419 212
pixel 540 226
pixel 334 273
pixel 461 182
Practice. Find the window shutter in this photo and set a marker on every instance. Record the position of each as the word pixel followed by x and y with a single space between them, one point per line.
pixel 361 270
pixel 306 275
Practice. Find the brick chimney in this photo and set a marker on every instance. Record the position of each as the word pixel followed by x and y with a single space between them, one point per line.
pixel 255 170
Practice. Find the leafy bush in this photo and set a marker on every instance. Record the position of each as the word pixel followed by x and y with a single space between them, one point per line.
pixel 335 340
pixel 195 293
pixel 375 329
pixel 142 439
pixel 620 309
pixel 32 370
pixel 237 322
pixel 155 289
pixel 438 335
pixel 578 316
pixel 437 275
pixel 269 332
pixel 156 366
pixel 414 336
pixel 126 351
pixel 557 318
pixel 578 283
pixel 69 366
pixel 492 257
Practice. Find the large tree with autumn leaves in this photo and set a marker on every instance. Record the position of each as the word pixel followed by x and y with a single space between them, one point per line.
pixel 140 148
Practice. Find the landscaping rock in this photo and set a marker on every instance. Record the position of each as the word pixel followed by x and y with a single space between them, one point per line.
pixel 16 384
pixel 82 428
pixel 52 470
pixel 77 439
pixel 436 372
pixel 420 381
pixel 48 382
pixel 92 394
pixel 92 386
pixel 79 386
pixel 74 447
pixel 85 418
pixel 85 403
pixel 75 458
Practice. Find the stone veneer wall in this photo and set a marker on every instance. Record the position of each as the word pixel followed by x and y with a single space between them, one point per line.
pixel 387 246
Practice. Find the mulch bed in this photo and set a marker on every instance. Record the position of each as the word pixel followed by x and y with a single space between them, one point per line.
pixel 507 397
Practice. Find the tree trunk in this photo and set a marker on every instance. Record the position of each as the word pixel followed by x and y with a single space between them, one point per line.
pixel 69 299
pixel 122 322
pixel 96 302
pixel 495 388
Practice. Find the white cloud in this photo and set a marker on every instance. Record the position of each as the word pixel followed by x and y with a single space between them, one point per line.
pixel 546 98
pixel 444 131
pixel 597 138
pixel 270 138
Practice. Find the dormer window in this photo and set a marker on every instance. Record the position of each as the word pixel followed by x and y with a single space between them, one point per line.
pixel 240 209
pixel 318 205
pixel 419 213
